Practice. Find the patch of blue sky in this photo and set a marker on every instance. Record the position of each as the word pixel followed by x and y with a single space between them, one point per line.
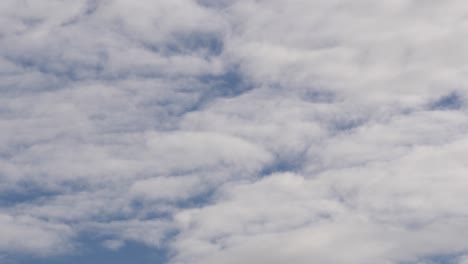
pixel 451 101
pixel 438 259
pixel 92 251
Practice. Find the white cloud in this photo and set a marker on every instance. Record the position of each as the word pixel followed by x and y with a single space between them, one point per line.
pixel 113 244
pixel 23 233
pixel 256 131
pixel 167 188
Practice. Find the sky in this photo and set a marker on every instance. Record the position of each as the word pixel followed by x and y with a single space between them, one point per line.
pixel 233 131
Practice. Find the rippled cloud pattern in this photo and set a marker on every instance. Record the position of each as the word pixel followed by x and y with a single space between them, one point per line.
pixel 222 131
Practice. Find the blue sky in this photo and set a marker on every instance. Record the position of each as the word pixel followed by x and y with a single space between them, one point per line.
pixel 250 131
pixel 92 252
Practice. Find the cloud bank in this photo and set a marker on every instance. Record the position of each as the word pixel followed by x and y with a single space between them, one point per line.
pixel 245 131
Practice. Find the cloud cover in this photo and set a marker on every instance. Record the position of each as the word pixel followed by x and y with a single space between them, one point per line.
pixel 235 131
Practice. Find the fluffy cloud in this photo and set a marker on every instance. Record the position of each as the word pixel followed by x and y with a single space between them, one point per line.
pixel 27 234
pixel 235 131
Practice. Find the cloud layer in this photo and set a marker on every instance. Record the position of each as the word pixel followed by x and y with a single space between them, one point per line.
pixel 235 131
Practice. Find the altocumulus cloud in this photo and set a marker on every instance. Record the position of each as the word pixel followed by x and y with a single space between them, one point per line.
pixel 234 131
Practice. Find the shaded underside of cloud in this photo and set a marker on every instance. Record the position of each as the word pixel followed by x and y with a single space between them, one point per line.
pixel 234 131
